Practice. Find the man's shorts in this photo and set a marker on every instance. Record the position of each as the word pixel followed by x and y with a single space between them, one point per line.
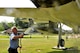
pixel 11 50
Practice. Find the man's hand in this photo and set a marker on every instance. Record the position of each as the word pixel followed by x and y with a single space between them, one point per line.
pixel 21 35
pixel 20 47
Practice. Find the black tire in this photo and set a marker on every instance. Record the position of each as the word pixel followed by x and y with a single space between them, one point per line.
pixel 62 42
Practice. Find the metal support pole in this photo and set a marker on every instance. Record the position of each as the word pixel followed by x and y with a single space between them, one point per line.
pixel 60 33
pixel 20 44
pixel 78 3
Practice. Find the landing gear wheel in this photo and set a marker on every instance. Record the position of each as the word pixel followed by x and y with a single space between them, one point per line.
pixel 62 42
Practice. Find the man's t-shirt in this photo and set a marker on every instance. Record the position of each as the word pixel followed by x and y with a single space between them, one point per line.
pixel 14 43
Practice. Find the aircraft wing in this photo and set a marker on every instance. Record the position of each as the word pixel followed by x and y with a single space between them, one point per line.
pixel 68 14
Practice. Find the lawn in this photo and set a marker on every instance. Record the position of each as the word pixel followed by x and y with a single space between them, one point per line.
pixel 40 44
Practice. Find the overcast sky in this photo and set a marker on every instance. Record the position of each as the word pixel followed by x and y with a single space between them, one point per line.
pixel 6 19
pixel 17 3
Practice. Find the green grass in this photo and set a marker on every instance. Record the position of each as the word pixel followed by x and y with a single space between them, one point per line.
pixel 39 44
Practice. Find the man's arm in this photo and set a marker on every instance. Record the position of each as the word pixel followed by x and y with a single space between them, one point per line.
pixel 19 36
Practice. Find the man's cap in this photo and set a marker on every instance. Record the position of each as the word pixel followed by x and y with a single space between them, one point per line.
pixel 14 27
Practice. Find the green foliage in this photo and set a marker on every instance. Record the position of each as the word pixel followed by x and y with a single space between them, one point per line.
pixel 17 20
pixel 10 24
pixel 20 24
pixel 1 27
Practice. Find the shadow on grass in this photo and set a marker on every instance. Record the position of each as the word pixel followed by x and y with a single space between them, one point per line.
pixel 68 50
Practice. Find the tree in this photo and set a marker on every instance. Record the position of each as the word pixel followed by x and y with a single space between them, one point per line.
pixel 20 24
pixel 5 25
pixel 17 20
pixel 1 27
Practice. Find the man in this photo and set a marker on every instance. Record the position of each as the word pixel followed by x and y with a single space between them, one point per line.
pixel 14 40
